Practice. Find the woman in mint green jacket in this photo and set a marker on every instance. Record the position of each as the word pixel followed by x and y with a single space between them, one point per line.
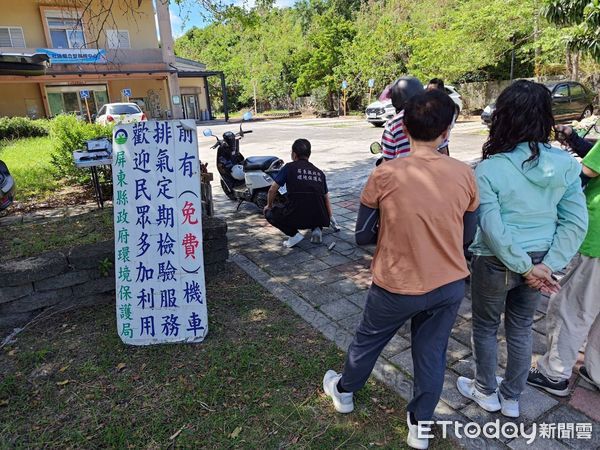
pixel 532 220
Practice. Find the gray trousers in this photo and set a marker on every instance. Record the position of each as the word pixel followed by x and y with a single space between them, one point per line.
pixel 432 316
pixel 496 290
pixel 573 316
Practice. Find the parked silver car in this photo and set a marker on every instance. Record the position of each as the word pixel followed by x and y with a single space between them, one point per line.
pixel 379 112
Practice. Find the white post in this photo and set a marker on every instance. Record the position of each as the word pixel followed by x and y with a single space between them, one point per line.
pixel 254 86
pixel 166 42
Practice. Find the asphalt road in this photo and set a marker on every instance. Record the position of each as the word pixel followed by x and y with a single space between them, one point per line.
pixel 340 147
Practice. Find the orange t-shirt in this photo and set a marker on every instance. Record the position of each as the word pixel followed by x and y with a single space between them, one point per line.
pixel 422 199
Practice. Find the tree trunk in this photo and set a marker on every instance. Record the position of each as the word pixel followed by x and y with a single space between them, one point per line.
pixel 536 36
pixel 330 97
pixel 575 72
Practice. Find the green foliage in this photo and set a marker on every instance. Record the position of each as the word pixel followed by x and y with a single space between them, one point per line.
pixel 326 40
pixel 21 127
pixel 583 16
pixel 104 267
pixel 472 36
pixel 69 134
pixel 277 54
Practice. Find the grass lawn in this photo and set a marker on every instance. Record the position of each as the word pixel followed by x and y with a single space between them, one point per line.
pixel 254 383
pixel 34 238
pixel 29 163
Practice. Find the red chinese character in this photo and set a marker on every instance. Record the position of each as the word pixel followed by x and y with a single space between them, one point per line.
pixel 188 212
pixel 190 244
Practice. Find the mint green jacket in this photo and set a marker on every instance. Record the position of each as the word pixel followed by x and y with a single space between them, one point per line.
pixel 530 208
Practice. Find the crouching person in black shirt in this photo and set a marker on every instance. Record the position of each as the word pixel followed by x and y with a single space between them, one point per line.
pixel 308 206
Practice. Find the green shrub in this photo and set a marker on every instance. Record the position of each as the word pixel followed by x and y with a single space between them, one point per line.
pixel 69 134
pixel 22 127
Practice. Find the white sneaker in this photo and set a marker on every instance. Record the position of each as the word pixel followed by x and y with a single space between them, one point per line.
pixel 316 236
pixel 342 402
pixel 413 440
pixel 510 407
pixel 466 387
pixel 293 240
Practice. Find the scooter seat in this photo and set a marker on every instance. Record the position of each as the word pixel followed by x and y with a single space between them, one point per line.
pixel 259 162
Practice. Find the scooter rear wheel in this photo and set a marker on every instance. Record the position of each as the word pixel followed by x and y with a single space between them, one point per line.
pixel 228 193
pixel 260 199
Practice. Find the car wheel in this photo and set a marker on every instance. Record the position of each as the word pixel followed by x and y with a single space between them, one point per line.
pixel 587 112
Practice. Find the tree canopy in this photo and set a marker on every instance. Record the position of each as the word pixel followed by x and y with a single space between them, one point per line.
pixel 584 18
pixel 278 54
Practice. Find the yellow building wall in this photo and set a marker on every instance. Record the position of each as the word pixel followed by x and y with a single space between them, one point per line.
pixel 24 14
pixel 140 23
pixel 194 86
pixel 153 92
pixel 21 100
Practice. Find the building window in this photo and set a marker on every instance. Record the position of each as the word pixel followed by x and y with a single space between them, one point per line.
pixel 66 29
pixel 117 39
pixel 12 37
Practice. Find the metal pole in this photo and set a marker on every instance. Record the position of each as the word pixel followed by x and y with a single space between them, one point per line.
pixel 254 87
pixel 87 107
pixel 225 105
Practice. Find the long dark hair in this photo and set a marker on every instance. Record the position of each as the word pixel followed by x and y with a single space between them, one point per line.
pixel 523 114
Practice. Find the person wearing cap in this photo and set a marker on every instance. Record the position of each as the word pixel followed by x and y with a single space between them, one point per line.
pixel 394 142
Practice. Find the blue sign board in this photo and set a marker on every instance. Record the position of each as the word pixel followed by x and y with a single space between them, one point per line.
pixel 74 55
pixel 344 84
pixel 126 92
pixel 371 82
pixel 84 94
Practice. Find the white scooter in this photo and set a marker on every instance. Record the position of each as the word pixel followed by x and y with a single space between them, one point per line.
pixel 245 179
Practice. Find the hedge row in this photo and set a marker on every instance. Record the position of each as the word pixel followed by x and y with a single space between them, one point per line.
pixel 22 127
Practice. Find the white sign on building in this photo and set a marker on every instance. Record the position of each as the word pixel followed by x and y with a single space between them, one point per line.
pixel 159 267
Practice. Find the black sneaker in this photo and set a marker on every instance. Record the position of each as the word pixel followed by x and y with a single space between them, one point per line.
pixel 539 380
pixel 583 373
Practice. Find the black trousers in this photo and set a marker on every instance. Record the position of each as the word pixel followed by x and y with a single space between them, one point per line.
pixel 432 316
pixel 276 216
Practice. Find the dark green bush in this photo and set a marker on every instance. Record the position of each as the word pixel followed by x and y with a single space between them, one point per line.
pixel 69 134
pixel 22 127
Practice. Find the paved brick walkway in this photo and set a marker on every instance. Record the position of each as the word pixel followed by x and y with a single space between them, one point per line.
pixel 328 288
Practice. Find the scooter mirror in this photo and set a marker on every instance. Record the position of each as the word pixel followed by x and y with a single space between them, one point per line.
pixel 375 148
pixel 207 132
pixel 247 116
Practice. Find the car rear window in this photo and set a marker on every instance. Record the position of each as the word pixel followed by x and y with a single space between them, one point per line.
pixel 577 90
pixel 124 109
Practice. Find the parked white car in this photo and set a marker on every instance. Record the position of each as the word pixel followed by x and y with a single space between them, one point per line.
pixel 120 113
pixel 378 113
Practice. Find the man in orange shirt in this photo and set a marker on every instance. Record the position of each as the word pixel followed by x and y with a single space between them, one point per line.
pixel 415 205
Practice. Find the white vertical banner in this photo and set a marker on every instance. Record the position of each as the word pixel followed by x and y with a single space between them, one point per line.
pixel 159 264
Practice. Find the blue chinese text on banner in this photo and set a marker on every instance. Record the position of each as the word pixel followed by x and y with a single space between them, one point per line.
pixel 159 270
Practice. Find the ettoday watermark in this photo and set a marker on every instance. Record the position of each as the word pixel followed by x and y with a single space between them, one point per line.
pixel 507 430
